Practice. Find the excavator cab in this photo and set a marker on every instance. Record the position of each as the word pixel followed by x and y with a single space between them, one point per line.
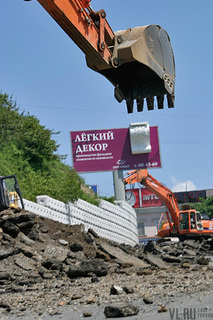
pixel 184 221
pixel 190 221
pixel 10 194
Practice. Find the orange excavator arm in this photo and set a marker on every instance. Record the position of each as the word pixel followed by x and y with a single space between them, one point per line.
pixel 88 29
pixel 139 62
pixel 165 194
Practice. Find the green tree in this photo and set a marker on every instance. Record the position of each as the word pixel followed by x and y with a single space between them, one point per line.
pixel 204 206
pixel 28 150
pixel 26 133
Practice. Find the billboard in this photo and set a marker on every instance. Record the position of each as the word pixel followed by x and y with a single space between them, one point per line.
pixel 142 198
pixel 94 188
pixel 190 196
pixel 108 150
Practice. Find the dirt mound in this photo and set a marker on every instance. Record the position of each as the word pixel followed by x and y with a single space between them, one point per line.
pixel 44 260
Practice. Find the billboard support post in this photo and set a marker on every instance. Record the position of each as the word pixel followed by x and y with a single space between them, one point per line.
pixel 119 189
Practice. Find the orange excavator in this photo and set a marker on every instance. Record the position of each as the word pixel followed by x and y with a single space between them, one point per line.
pixel 139 62
pixel 186 223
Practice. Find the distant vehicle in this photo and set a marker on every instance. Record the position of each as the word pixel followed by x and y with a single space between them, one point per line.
pixel 184 223
pixel 10 194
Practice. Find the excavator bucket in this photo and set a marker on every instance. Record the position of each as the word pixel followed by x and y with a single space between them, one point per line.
pixel 142 67
pixel 139 62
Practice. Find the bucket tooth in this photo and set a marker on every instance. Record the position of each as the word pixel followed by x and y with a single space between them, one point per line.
pixel 140 103
pixel 129 104
pixel 118 94
pixel 171 100
pixel 150 103
pixel 160 100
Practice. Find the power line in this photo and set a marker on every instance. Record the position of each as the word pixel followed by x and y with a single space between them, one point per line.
pixel 75 109
pixel 123 112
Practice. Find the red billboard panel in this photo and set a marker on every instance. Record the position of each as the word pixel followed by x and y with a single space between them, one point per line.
pixel 149 199
pixel 108 150
pixel 142 198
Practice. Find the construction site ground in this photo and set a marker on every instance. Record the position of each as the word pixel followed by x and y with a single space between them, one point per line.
pixel 49 270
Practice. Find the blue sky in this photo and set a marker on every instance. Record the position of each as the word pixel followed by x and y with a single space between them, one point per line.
pixel 47 75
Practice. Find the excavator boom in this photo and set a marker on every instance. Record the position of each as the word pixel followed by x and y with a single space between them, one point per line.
pixel 165 194
pixel 139 62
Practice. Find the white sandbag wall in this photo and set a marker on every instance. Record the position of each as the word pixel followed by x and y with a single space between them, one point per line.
pixel 114 222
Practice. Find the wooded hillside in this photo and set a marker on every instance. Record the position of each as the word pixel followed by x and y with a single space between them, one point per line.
pixel 29 150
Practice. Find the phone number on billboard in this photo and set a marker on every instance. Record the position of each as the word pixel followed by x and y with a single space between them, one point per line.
pixel 146 165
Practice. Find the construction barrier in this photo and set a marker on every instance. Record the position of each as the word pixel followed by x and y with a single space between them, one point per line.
pixel 114 222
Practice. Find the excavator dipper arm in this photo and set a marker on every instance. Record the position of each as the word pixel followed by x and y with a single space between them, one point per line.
pixel 139 62
pixel 165 194
pixel 88 29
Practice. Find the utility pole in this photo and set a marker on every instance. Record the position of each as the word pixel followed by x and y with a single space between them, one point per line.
pixel 119 189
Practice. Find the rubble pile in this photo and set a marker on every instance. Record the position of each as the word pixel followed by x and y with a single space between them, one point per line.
pixel 46 265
